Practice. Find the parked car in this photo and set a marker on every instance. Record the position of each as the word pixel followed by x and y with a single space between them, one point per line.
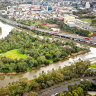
pixel 87 38
pixel 55 94
pixel 83 79
pixel 55 33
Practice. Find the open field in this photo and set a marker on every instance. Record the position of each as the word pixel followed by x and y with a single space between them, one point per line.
pixel 36 23
pixel 92 66
pixel 14 54
pixel 40 24
pixel 87 20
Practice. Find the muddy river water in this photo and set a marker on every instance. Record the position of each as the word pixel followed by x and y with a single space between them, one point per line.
pixel 6 79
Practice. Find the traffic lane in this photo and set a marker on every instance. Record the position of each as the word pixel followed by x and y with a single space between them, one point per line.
pixel 72 36
pixel 63 88
pixel 59 88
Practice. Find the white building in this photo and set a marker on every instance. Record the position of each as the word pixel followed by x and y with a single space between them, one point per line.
pixel 3 12
pixel 82 24
pixel 87 6
pixel 55 29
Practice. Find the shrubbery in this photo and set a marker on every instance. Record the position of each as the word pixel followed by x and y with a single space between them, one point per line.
pixel 39 51
pixel 46 80
pixel 67 28
pixel 80 89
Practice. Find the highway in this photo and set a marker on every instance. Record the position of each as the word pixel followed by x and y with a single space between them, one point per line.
pixel 62 35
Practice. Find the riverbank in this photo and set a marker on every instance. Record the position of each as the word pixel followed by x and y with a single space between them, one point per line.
pixel 57 88
pixel 49 79
pixel 35 73
pixel 73 55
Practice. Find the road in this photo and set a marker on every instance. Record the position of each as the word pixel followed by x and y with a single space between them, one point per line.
pixel 62 35
pixel 62 87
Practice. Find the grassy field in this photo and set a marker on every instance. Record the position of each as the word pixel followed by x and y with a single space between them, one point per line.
pixel 45 27
pixel 92 66
pixel 14 54
pixel 87 20
pixel 36 23
pixel 39 23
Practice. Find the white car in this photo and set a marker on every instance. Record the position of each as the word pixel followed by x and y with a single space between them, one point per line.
pixel 81 79
pixel 55 94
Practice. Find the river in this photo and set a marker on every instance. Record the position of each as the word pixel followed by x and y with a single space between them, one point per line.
pixel 6 79
pixel 5 29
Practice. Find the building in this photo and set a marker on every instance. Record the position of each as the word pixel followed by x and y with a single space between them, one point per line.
pixel 69 19
pixel 3 12
pixel 55 29
pixel 82 24
pixel 70 24
pixel 87 6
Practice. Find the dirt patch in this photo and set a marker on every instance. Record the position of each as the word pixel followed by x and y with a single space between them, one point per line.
pixel 92 93
pixel 81 52
pixel 52 26
pixel 76 54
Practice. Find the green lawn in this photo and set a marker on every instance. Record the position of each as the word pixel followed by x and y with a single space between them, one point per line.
pixel 36 23
pixel 14 54
pixel 39 23
pixel 45 27
pixel 92 66
pixel 87 20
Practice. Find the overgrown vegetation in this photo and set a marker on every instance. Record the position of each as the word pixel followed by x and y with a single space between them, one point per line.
pixel 39 51
pixel 87 20
pixel 80 89
pixel 38 24
pixel 76 70
pixel 0 30
pixel 67 28
pixel 85 16
pixel 90 21
pixel 94 22
pixel 80 12
pixel 76 92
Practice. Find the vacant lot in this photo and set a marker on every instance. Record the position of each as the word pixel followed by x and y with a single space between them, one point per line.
pixel 87 20
pixel 93 66
pixel 14 54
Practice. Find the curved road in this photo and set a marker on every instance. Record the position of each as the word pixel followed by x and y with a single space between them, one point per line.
pixel 62 87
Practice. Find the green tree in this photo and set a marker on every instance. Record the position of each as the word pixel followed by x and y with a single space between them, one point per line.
pixel 34 85
pixel 80 91
pixel 74 92
pixel 33 94
pixel 69 94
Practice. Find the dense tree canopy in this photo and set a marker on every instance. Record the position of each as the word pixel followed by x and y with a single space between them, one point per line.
pixel 0 30
pixel 54 77
pixel 38 51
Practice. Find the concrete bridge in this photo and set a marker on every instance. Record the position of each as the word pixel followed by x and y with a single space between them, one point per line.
pixel 62 35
